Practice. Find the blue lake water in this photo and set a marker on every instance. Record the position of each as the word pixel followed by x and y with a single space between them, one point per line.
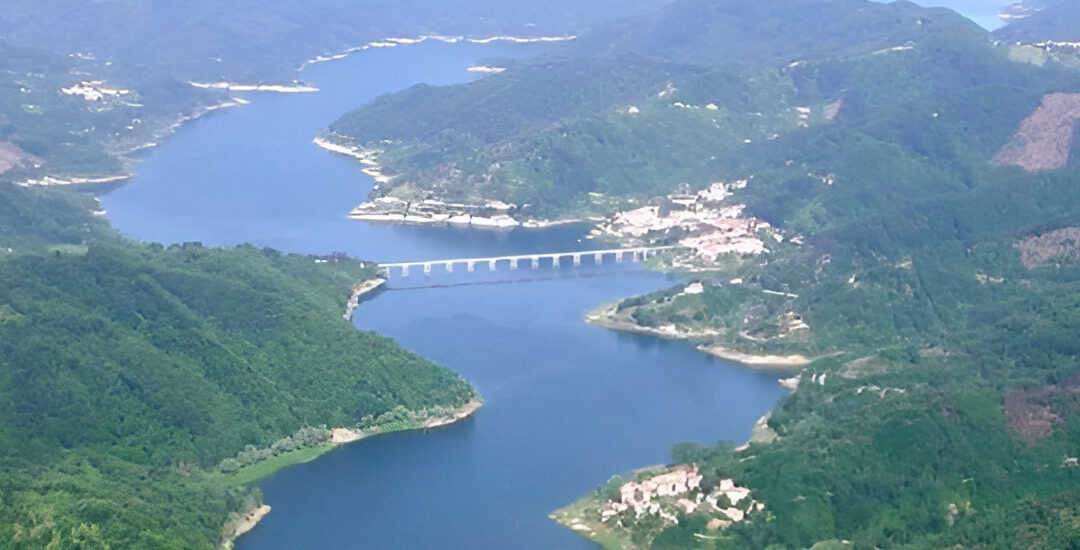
pixel 568 404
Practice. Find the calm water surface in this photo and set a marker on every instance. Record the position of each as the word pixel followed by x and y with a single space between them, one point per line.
pixel 567 404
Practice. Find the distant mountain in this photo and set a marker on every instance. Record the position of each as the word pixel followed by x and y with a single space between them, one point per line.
pixel 1056 21
pixel 711 32
pixel 254 40
pixel 1021 9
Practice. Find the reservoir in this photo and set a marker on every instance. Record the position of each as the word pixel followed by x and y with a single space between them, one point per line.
pixel 568 404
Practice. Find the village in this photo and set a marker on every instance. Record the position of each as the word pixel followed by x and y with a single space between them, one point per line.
pixel 706 222
pixel 668 494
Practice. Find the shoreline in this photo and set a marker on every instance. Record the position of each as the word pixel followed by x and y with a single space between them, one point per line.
pixel 792 361
pixel 241 524
pixel 601 317
pixel 245 521
pixel 168 131
pixel 367 158
pixel 474 222
pixel 463 412
pixel 56 181
pixel 359 290
pixel 371 167
pixel 395 42
pixel 344 436
pixel 295 88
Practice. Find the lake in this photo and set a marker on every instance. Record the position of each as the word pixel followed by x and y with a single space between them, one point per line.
pixel 568 405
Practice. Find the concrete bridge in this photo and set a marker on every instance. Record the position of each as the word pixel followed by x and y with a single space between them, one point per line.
pixel 556 259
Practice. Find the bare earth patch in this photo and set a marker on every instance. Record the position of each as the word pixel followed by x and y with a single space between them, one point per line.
pixel 1044 139
pixel 11 156
pixel 1043 250
pixel 1032 414
pixel 242 523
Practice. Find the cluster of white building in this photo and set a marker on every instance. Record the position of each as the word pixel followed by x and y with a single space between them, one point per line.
pixel 705 222
pixel 678 490
pixel 93 90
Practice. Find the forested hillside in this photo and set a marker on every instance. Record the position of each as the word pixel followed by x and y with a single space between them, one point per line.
pixel 129 372
pixel 944 405
pixel 73 118
pixel 251 40
pixel 708 91
pixel 920 180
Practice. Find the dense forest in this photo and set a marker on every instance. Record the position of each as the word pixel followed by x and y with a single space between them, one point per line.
pixel 130 371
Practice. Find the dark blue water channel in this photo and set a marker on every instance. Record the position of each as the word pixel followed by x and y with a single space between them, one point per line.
pixel 568 404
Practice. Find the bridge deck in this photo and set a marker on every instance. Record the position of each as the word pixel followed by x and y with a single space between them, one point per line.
pixel 519 257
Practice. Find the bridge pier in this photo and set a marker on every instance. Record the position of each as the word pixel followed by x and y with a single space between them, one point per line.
pixel 471 266
pixel 577 260
pixel 555 260
pixel 449 267
pixel 491 264
pixel 598 258
pixel 618 257
pixel 513 264
pixel 404 271
pixel 427 269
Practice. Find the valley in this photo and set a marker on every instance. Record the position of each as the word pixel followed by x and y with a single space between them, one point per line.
pixel 876 214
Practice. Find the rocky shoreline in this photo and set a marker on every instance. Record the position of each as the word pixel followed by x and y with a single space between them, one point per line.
pixel 241 524
pixel 605 316
pixel 462 413
pixel 62 180
pixel 751 360
pixel 395 42
pixel 497 222
pixel 294 88
pixel 490 214
pixel 359 290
